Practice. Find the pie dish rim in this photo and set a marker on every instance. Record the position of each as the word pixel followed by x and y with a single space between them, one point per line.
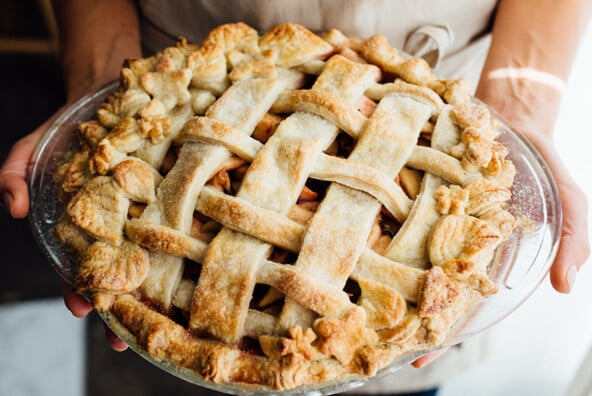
pixel 45 211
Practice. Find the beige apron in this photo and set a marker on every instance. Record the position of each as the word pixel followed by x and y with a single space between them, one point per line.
pixel 451 35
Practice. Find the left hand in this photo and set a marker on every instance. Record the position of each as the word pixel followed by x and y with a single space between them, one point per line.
pixel 574 245
pixel 80 308
pixel 428 358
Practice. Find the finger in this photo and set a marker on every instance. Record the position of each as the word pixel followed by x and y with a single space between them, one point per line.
pixel 574 247
pixel 13 173
pixel 15 196
pixel 75 302
pixel 428 358
pixel 81 308
pixel 116 343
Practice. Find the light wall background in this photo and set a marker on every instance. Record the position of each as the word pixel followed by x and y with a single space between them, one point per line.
pixel 542 344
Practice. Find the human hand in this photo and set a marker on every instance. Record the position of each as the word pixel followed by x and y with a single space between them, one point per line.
pixel 574 245
pixel 80 308
pixel 13 173
pixel 15 197
pixel 531 108
pixel 428 358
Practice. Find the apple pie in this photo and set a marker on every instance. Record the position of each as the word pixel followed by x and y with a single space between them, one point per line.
pixel 286 208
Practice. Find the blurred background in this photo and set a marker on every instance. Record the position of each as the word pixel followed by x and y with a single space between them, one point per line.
pixel 45 351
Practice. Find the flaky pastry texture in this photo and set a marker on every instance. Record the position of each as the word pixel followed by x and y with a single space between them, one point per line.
pixel 286 209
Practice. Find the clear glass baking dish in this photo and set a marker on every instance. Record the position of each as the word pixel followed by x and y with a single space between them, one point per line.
pixel 519 266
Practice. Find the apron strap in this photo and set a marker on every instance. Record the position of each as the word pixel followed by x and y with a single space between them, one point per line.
pixel 429 42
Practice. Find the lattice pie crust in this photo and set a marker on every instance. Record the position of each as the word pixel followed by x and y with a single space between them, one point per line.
pixel 286 209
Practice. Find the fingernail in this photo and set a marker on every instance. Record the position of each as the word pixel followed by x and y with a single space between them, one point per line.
pixel 571 274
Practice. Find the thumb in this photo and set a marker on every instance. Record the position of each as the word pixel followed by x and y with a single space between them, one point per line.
pixel 14 192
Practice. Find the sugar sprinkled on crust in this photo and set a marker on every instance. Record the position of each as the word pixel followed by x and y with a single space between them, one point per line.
pixel 286 209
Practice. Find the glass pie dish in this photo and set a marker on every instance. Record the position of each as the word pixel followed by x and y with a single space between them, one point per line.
pixel 519 266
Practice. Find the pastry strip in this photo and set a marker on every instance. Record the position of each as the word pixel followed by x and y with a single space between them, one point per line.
pixel 177 193
pixel 165 339
pixel 409 245
pixel 165 239
pixel 364 178
pixel 163 278
pixel 343 221
pixel 281 169
pixel 443 165
pixel 241 215
pixel 327 168
pixel 277 230
pixel 304 288
pixel 327 106
pixel 400 277
pixel 422 94
pixel 213 131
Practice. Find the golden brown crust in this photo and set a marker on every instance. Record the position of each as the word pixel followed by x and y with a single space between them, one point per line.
pixel 438 293
pixel 452 91
pixel 136 180
pixel 293 45
pixel 343 337
pixel 464 237
pixel 72 237
pixel 112 269
pixel 315 207
pixel 100 209
pixel 75 173
pixel 232 36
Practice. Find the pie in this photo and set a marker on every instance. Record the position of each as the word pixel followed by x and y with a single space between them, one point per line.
pixel 286 208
